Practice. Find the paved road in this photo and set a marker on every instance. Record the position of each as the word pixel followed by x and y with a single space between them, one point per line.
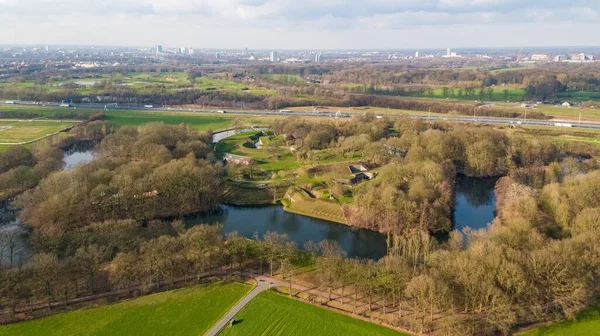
pixel 262 286
pixel 448 118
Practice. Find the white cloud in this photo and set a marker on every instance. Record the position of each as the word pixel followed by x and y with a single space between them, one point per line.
pixel 285 22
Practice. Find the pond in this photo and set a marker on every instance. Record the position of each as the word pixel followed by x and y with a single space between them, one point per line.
pixel 78 153
pixel 250 220
pixel 475 202
pixel 13 237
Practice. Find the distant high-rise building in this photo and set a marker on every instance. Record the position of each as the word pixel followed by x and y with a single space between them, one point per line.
pixel 183 50
pixel 47 48
pixel 217 55
pixel 159 48
pixel 274 56
pixel 245 51
pixel 416 54
pixel 318 58
pixel 448 52
pixel 191 51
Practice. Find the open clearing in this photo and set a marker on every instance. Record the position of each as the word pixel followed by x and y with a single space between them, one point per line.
pixel 587 323
pixel 17 131
pixel 272 314
pixel 190 311
pixel 201 122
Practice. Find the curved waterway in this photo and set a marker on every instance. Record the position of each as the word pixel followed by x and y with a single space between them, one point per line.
pixel 250 220
pixel 475 204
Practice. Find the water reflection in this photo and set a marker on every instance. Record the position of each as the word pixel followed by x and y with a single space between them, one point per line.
pixel 79 153
pixel 475 202
pixel 248 220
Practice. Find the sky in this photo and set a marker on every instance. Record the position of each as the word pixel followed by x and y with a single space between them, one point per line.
pixel 302 24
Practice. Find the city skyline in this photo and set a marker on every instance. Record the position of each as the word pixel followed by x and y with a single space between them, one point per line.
pixel 283 24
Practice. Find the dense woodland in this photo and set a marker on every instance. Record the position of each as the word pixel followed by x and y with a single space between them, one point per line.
pixel 109 224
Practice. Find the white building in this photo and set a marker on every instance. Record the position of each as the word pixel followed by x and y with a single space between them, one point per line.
pixel 416 54
pixel 539 57
pixel 159 48
pixel 318 58
pixel 274 57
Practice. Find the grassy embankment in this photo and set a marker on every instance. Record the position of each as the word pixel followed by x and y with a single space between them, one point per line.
pixel 189 311
pixel 301 203
pixel 273 314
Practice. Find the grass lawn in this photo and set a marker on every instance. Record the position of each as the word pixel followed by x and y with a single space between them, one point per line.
pixel 587 323
pixel 272 314
pixel 199 121
pixel 318 208
pixel 15 131
pixel 189 311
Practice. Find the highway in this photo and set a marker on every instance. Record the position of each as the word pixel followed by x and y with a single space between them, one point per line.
pixel 342 115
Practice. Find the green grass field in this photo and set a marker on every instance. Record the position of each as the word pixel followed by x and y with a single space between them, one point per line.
pixel 15 131
pixel 201 122
pixel 272 314
pixel 586 324
pixel 190 311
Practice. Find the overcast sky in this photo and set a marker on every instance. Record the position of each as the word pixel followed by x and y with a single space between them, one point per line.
pixel 302 24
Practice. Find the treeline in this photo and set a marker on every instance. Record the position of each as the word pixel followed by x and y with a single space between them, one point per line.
pixel 117 255
pixel 146 172
pixel 22 168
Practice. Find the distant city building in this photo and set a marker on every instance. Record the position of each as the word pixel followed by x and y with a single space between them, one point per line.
pixel 217 55
pixel 318 58
pixel 159 48
pixel 274 57
pixel 183 50
pixel 245 51
pixel 559 58
pixel 540 57
pixel 450 53
pixel 582 57
pixel 191 51
pixel 417 54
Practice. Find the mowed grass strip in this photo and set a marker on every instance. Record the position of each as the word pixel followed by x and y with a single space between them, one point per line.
pixel 272 314
pixel 201 122
pixel 23 131
pixel 587 323
pixel 189 311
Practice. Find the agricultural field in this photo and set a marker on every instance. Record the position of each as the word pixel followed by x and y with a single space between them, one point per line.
pixel 587 323
pixel 189 311
pixel 273 314
pixel 21 131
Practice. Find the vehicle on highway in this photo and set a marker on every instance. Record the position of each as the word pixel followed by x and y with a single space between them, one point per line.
pixel 65 105
pixel 285 111
pixel 222 111
pixel 10 102
pixel 148 106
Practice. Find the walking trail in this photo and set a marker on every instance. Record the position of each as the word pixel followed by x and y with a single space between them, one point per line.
pixel 262 286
